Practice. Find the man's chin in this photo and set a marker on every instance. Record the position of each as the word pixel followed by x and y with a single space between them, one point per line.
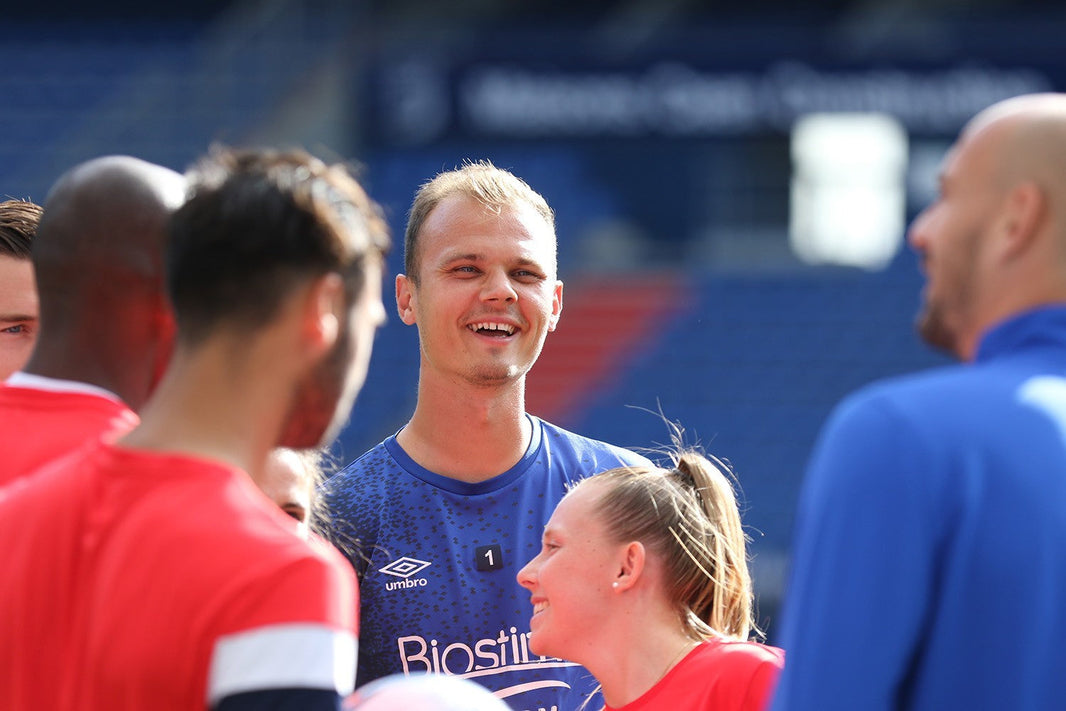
pixel 495 375
pixel 932 330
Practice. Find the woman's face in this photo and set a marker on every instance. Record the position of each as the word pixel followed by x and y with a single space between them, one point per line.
pixel 570 579
pixel 287 482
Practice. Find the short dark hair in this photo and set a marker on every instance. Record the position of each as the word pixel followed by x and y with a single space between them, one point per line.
pixel 256 223
pixel 18 227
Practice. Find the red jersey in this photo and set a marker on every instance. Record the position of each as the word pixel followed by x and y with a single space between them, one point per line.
pixel 44 418
pixel 718 675
pixel 142 580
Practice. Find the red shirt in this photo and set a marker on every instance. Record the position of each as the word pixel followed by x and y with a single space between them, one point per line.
pixel 43 418
pixel 141 580
pixel 718 675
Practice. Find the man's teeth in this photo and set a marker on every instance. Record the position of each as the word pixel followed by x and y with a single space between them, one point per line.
pixel 539 607
pixel 508 329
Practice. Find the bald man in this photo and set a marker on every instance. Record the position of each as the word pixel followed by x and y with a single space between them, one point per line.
pixel 105 331
pixel 929 561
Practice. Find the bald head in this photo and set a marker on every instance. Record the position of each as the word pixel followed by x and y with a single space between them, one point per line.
pixel 98 257
pixel 1025 107
pixel 993 243
pixel 108 212
pixel 1026 138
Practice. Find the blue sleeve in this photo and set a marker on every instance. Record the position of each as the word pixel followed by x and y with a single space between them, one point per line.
pixel 862 562
pixel 282 700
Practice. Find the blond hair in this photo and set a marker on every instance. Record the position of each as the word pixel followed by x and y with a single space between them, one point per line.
pixel 495 188
pixel 688 517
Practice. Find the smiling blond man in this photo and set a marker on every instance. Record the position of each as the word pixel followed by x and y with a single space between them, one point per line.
pixel 447 510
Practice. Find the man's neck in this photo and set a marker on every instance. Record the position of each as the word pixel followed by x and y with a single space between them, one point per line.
pixel 205 407
pixel 27 379
pixel 469 434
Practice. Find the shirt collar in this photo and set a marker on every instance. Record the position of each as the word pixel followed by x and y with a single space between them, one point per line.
pixel 1042 326
pixel 58 385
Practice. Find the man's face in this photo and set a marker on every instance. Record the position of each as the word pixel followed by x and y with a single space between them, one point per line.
pixel 948 236
pixel 487 293
pixel 324 399
pixel 18 313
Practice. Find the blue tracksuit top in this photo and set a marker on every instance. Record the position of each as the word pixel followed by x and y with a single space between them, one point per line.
pixel 929 560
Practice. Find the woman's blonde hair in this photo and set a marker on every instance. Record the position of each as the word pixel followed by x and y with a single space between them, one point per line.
pixel 688 516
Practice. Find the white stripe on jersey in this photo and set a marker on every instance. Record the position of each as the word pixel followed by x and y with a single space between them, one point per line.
pixel 290 656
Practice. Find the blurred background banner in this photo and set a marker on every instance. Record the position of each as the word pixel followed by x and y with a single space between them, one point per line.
pixel 732 181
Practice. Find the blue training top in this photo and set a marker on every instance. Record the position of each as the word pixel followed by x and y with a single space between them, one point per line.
pixel 438 558
pixel 929 565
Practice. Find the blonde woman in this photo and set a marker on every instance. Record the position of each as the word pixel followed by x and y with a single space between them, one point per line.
pixel 643 579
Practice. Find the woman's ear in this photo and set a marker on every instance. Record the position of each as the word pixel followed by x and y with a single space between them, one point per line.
pixel 631 566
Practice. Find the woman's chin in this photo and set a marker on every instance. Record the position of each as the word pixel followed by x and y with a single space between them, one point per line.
pixel 536 646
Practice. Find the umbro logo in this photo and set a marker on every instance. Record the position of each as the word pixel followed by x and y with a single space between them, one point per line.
pixel 404 567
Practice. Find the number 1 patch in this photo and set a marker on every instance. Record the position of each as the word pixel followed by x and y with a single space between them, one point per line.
pixel 489 557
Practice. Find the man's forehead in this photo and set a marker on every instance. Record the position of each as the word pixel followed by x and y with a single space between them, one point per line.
pixel 477 225
pixel 974 147
pixel 524 250
pixel 18 289
pixel 477 208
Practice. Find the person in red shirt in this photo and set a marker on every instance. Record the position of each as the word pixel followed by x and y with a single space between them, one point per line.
pixel 643 579
pixel 152 573
pixel 105 331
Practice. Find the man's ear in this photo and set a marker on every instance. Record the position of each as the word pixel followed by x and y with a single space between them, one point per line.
pixel 631 566
pixel 325 308
pixel 406 301
pixel 557 306
pixel 1024 209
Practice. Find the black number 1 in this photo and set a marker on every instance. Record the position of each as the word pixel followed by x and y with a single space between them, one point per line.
pixel 488 557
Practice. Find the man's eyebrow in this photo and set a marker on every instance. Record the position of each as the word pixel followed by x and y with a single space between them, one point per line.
pixel 12 318
pixel 459 256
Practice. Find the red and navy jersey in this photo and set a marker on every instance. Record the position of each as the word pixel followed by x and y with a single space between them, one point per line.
pixel 718 675
pixel 138 580
pixel 44 418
